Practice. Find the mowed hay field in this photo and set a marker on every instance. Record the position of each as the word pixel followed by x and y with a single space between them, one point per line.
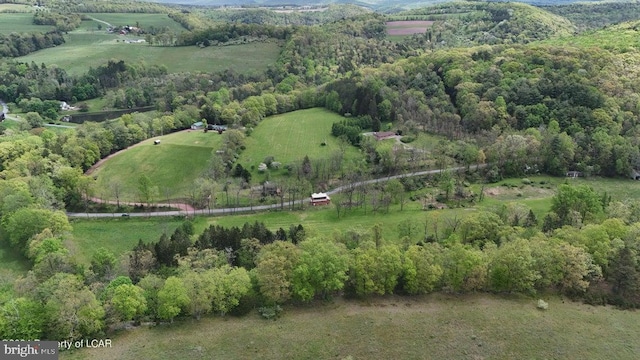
pixel 19 23
pixel 172 166
pixel 14 8
pixel 119 234
pixel 398 30
pixel 88 47
pixel 291 136
pixel 431 327
pixel 324 220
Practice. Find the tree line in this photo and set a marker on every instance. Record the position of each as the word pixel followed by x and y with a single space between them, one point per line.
pixel 21 44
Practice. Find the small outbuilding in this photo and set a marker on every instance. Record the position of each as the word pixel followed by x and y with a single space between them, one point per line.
pixel 156 142
pixel 574 174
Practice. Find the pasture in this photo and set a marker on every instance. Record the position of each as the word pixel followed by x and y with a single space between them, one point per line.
pixel 325 221
pixel 437 326
pixel 291 136
pixel 172 165
pixel 407 27
pixel 12 8
pixel 19 23
pixel 88 47
pixel 118 234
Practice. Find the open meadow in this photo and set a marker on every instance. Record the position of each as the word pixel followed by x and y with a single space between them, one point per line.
pixel 325 221
pixel 289 137
pixel 89 47
pixel 13 8
pixel 119 235
pixel 19 23
pixel 430 327
pixel 620 38
pixel 173 165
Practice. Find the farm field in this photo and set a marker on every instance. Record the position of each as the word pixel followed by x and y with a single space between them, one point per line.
pixel 407 27
pixel 172 165
pixel 119 235
pixel 88 235
pixel 15 7
pixel 324 220
pixel 291 136
pixel 87 47
pixel 437 326
pixel 19 22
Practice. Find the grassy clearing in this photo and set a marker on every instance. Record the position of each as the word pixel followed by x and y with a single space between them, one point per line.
pixel 430 327
pixel 15 7
pixel 324 220
pixel 621 38
pixel 619 189
pixel 20 23
pixel 12 264
pixel 426 141
pixel 408 28
pixel 94 105
pixel 87 47
pixel 119 235
pixel 289 137
pixel 173 165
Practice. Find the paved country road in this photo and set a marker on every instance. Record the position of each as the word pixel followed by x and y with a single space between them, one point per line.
pixel 229 211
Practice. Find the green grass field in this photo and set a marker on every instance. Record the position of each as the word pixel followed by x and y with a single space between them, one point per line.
pixel 88 47
pixel 15 7
pixel 172 166
pixel 119 235
pixel 291 136
pixel 19 23
pixel 616 38
pixel 430 327
pixel 324 220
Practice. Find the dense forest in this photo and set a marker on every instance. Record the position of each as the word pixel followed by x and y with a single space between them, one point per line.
pixel 490 80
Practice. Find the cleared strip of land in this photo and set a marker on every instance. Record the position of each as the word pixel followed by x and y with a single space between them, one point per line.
pixel 431 327
pixel 407 27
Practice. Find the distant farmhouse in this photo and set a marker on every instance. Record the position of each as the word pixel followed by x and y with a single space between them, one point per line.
pixel 383 135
